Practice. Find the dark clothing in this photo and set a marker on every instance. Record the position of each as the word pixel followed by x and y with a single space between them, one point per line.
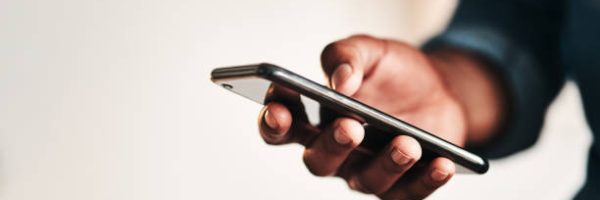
pixel 534 46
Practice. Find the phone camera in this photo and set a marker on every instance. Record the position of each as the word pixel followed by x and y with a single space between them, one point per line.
pixel 227 86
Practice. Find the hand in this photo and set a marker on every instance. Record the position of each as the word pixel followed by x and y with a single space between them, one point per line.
pixel 392 77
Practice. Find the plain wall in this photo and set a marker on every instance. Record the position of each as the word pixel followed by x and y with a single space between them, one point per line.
pixel 112 100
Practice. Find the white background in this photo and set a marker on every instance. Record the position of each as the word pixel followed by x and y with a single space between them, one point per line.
pixel 112 100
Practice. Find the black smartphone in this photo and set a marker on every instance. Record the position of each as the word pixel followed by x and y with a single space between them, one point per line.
pixel 256 81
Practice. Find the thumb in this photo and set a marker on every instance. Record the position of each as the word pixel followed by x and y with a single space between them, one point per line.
pixel 345 79
pixel 346 62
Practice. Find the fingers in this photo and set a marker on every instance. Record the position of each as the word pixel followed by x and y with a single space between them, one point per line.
pixel 329 150
pixel 439 171
pixel 388 166
pixel 274 123
pixel 385 175
pixel 347 61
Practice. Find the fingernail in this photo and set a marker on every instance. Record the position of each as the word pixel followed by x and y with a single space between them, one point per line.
pixel 340 75
pixel 340 136
pixel 271 121
pixel 438 175
pixel 399 157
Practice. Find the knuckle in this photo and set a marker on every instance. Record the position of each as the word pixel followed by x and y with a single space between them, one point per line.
pixel 314 166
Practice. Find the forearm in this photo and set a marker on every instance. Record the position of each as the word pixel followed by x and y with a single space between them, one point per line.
pixel 478 90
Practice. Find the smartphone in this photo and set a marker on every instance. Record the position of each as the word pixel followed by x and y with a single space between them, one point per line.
pixel 255 82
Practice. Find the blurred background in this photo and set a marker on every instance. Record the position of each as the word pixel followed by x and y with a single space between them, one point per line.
pixel 112 100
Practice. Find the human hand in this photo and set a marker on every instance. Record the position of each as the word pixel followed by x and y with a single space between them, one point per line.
pixel 392 77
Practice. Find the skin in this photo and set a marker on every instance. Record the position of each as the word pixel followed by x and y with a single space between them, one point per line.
pixel 447 92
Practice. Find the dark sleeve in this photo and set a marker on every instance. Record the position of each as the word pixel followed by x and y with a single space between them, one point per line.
pixel 520 40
